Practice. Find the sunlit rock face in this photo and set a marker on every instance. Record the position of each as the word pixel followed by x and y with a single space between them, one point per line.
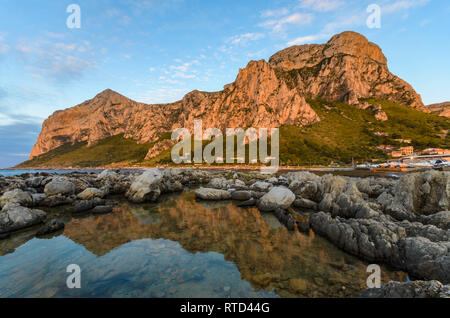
pixel 441 109
pixel 264 95
pixel 346 68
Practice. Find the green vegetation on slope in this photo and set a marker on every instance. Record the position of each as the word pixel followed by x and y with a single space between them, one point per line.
pixel 105 152
pixel 344 133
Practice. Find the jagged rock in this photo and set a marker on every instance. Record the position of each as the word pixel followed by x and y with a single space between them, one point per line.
pixel 59 186
pixel 347 68
pixel 18 217
pixel 441 220
pixel 383 240
pixel 212 194
pixel 51 227
pixel 305 189
pixel 86 205
pixel 305 204
pixel 145 187
pixel 248 203
pixel 16 196
pixel 107 174
pixel 441 109
pixel 277 198
pixel 421 193
pixel 415 289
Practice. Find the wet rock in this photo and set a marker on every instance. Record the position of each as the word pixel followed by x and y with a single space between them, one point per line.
pixel 102 209
pixel 145 187
pixel 305 204
pixel 415 289
pixel 51 227
pixel 277 198
pixel 18 217
pixel 57 200
pixel 91 193
pixel 248 203
pixel 304 225
pixel 16 196
pixel 59 186
pixel 85 205
pixel 383 240
pixel 241 195
pixel 212 194
pixel 286 219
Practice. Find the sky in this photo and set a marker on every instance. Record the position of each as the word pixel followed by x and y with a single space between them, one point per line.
pixel 157 51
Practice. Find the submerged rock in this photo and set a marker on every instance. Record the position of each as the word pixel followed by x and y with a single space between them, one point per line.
pixel 51 227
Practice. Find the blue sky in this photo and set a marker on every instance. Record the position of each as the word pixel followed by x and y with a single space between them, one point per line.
pixel 157 51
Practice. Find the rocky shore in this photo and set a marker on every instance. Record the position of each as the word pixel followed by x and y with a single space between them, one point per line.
pixel 404 222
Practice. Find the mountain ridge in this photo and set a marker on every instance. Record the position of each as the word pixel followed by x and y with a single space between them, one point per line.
pixel 268 94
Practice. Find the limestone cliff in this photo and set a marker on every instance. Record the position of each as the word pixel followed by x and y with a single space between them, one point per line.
pixel 347 68
pixel 264 94
pixel 441 109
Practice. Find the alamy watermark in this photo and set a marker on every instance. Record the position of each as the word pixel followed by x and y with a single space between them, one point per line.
pixel 374 19
pixel 257 141
pixel 74 279
pixel 74 19
pixel 374 279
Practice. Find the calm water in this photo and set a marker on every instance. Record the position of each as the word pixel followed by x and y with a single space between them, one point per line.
pixel 179 248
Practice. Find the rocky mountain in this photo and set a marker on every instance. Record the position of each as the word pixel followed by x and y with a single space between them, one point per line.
pixel 348 68
pixel 441 109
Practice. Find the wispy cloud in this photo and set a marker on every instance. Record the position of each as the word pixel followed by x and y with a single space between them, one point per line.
pixel 278 25
pixel 56 61
pixel 403 5
pixel 321 5
pixel 304 39
pixel 243 39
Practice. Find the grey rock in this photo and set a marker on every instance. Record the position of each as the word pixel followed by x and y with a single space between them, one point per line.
pixel 277 198
pixel 212 194
pixel 51 227
pixel 18 217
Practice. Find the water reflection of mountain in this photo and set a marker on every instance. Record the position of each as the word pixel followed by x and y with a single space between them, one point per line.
pixel 269 257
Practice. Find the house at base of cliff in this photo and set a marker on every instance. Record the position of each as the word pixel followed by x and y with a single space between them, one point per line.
pixel 402 152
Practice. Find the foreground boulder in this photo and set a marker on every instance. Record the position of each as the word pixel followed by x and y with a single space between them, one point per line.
pixel 212 194
pixel 416 289
pixel 277 198
pixel 19 217
pixel 146 187
pixel 17 197
pixel 59 186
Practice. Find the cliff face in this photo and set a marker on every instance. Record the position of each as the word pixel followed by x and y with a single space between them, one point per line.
pixel 346 68
pixel 264 94
pixel 441 109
